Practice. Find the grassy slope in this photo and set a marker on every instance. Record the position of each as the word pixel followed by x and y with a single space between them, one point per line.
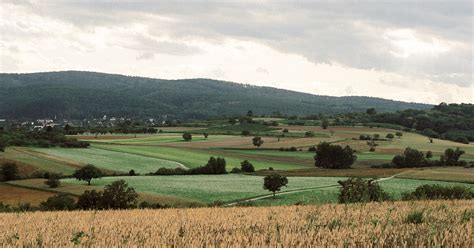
pixel 111 160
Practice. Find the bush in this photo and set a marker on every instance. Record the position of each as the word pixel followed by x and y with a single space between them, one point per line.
pixel 334 156
pixel 312 149
pixel 9 171
pixel 90 200
pixel 360 190
pixel 53 180
pixel 132 173
pixel 435 192
pixel 187 136
pixel 58 202
pixel 235 170
pixel 245 133
pixel 414 217
pixel 246 166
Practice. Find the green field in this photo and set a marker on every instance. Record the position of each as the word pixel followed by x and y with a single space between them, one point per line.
pixel 192 157
pixel 231 187
pixel 111 160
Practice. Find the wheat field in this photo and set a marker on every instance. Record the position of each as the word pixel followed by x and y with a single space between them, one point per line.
pixel 443 224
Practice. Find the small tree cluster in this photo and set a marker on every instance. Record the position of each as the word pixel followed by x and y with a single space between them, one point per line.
pixel 9 171
pixel 360 190
pixel 439 192
pixel 334 156
pixel 117 195
pixel 53 180
pixel 246 166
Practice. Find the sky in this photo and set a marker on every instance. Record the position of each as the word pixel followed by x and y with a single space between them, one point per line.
pixel 416 51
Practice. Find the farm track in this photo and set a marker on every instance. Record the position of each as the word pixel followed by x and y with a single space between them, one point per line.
pixel 297 191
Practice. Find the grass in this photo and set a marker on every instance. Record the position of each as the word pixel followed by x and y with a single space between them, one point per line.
pixel 451 174
pixel 28 157
pixel 193 157
pixel 231 187
pixel 111 160
pixel 210 188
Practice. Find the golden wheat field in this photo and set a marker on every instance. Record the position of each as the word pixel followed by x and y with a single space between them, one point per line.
pixel 444 224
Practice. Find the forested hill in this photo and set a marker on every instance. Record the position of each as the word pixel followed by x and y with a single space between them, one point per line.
pixel 77 95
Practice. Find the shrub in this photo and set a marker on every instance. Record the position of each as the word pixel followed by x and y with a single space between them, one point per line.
pixel 451 157
pixel 235 170
pixel 58 202
pixel 433 192
pixel 90 200
pixel 360 190
pixel 9 171
pixel 118 195
pixel 414 217
pixel 53 180
pixel 245 133
pixel 187 136
pixel 246 166
pixel 312 149
pixel 132 173
pixel 309 134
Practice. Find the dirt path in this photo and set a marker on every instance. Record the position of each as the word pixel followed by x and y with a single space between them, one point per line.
pixel 298 191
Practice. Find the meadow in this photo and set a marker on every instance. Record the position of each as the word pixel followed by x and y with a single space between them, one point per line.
pixel 388 224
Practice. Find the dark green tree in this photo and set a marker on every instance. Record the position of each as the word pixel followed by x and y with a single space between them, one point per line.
pixel 87 173
pixel 246 166
pixel 451 157
pixel 274 183
pixel 187 136
pixel 90 200
pixel 9 171
pixel 53 180
pixel 324 123
pixel 257 141
pixel 360 190
pixel 118 195
pixel 390 136
pixel 58 202
pixel 334 156
pixel 399 134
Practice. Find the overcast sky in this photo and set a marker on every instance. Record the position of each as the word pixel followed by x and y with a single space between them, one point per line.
pixel 419 51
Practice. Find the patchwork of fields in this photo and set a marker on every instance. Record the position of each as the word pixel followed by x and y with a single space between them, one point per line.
pixel 146 153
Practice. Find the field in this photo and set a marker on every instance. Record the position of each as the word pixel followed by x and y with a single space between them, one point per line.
pixel 444 224
pixel 145 153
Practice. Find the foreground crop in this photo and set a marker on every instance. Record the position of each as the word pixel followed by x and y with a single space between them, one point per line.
pixel 399 224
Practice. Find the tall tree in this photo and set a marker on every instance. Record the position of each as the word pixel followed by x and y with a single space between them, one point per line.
pixel 87 173
pixel 274 183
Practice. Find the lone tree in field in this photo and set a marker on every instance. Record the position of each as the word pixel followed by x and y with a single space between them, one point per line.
pixel 257 141
pixel 87 173
pixel 206 135
pixel 325 124
pixel 187 136
pixel 274 183
pixel 334 156
pixel 389 136
pixel 399 134
pixel 9 171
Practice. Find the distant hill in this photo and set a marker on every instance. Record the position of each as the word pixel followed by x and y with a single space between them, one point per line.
pixel 77 95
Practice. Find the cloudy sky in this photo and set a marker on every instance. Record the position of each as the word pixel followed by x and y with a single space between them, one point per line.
pixel 419 51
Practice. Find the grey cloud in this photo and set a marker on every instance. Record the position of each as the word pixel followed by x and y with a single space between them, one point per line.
pixel 343 32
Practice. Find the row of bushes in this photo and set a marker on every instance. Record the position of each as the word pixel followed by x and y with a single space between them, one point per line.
pixel 414 158
pixel 214 166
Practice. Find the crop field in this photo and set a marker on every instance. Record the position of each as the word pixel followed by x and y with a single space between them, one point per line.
pixel 443 224
pixel 232 187
pixel 443 174
pixel 13 196
pixel 111 160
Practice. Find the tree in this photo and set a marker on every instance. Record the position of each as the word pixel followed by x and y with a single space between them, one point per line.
pixel 429 155
pixel 274 183
pixel 410 158
pixel 334 156
pixel 245 133
pixel 90 200
pixel 324 124
pixel 390 136
pixel 451 157
pixel 376 136
pixel 205 135
pixel 58 202
pixel 187 136
pixel 250 113
pixel 87 173
pixel 132 173
pixel 9 171
pixel 118 195
pixel 399 134
pixel 246 166
pixel 360 190
pixel 257 141
pixel 53 180
pixel 371 111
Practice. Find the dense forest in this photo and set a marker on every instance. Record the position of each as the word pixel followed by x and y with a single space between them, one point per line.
pixel 447 121
pixel 78 95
